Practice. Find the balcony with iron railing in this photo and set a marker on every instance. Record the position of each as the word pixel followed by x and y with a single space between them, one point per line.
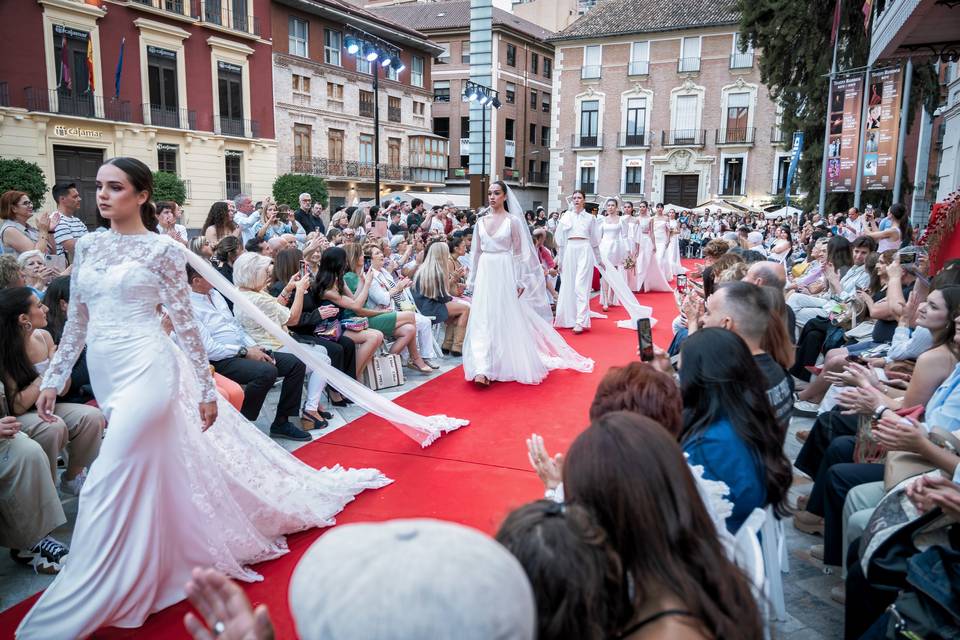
pixel 590 72
pixel 589 188
pixel 688 65
pixel 587 141
pixel 230 190
pixel 537 177
pixel 635 138
pixel 683 138
pixel 221 13
pixel 777 135
pixel 736 136
pixel 511 174
pixel 639 68
pixel 239 127
pixel 85 105
pixel 365 171
pixel 393 114
pixel 741 60
pixel 185 8
pixel 441 96
pixel 633 188
pixel 366 109
pixel 160 116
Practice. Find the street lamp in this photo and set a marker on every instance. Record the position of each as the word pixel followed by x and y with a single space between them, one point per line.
pixel 378 53
pixel 485 96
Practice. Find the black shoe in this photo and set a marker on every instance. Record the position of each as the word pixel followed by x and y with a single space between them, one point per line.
pixel 45 557
pixel 342 402
pixel 289 431
pixel 326 414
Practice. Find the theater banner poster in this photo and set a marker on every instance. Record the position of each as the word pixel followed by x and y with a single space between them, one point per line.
pixel 882 129
pixel 844 114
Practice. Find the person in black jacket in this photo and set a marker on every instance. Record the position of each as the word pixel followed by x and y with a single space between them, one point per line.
pixel 305 218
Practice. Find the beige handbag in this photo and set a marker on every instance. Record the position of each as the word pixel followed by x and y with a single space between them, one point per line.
pixel 901 465
pixel 384 371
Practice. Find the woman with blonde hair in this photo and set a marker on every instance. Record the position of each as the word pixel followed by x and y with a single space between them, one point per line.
pixel 252 274
pixel 274 221
pixel 431 292
pixel 358 222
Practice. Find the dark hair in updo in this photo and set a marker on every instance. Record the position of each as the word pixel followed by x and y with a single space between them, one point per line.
pixel 141 178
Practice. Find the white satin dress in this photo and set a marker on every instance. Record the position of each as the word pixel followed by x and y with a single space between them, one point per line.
pixel 614 251
pixel 163 496
pixel 506 338
pixel 649 275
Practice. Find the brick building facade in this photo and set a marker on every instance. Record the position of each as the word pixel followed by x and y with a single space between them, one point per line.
pixel 656 101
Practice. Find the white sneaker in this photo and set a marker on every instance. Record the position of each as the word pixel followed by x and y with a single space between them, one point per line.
pixel 809 408
pixel 72 487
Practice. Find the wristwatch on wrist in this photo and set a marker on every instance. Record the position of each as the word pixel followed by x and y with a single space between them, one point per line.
pixel 242 352
pixel 879 411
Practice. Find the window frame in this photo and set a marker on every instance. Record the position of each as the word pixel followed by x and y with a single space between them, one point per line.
pixel 329 49
pixel 293 39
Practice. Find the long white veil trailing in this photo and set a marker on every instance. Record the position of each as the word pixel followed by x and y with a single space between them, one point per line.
pixel 535 298
pixel 423 429
pixel 618 283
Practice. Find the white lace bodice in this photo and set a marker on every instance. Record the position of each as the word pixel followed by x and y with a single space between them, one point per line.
pixel 116 285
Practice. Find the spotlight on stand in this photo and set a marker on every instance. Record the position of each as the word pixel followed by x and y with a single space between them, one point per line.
pixel 352 45
pixel 484 99
pixel 471 94
pixel 386 60
pixel 397 65
pixel 495 103
pixel 370 53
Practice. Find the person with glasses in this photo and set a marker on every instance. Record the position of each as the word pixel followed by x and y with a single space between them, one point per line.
pixel 305 218
pixel 16 234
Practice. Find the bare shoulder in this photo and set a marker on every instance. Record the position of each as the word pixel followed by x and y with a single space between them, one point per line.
pixel 939 357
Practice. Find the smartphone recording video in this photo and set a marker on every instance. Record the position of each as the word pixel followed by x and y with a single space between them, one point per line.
pixel 681 283
pixel 645 337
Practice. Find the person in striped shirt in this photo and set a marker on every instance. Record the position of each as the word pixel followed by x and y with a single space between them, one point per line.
pixel 70 227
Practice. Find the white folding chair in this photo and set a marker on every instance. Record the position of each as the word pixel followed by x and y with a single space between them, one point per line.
pixel 748 555
pixel 775 562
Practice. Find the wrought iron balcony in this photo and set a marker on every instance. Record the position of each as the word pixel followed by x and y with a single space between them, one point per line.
pixel 85 105
pixel 639 68
pixel 511 174
pixel 633 188
pixel 776 135
pixel 686 65
pixel 683 138
pixel 741 60
pixel 537 177
pixel 590 72
pixel 185 8
pixel 393 114
pixel 160 116
pixel 365 171
pixel 745 135
pixel 366 109
pixel 222 14
pixel 238 127
pixel 458 173
pixel 589 188
pixel 635 138
pixel 587 141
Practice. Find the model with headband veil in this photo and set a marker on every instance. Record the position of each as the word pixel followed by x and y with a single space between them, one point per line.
pixel 182 479
pixel 509 335
pixel 614 249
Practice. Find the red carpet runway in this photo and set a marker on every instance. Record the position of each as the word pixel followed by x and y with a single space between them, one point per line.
pixel 474 476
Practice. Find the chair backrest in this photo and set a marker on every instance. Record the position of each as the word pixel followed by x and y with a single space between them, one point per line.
pixel 748 554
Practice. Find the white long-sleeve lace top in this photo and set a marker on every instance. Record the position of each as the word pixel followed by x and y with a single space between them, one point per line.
pixel 116 285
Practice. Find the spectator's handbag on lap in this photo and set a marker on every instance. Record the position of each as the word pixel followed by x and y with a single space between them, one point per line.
pixel 355 324
pixel 901 465
pixel 384 371
pixel 329 328
pixel 867 450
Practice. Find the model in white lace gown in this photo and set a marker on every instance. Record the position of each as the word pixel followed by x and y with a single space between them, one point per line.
pixel 164 496
pixel 673 246
pixel 649 275
pixel 661 237
pixel 633 245
pixel 508 338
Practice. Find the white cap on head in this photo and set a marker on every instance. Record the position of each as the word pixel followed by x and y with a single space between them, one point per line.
pixel 407 579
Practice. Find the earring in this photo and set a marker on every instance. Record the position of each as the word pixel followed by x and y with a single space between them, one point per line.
pixel 28 327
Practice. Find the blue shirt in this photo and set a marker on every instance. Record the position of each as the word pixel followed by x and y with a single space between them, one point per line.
pixel 725 456
pixel 943 409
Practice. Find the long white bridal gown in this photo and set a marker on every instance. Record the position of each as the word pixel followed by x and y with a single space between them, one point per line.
pixel 163 496
pixel 673 249
pixel 613 251
pixel 507 340
pixel 649 275
pixel 661 236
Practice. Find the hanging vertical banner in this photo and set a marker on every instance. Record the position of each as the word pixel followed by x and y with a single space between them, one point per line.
pixel 794 162
pixel 882 129
pixel 844 115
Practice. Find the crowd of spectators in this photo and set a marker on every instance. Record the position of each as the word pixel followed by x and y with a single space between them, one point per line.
pixel 838 318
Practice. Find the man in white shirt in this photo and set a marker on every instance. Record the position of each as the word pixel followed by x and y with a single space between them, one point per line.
pixel 70 228
pixel 245 216
pixel 235 355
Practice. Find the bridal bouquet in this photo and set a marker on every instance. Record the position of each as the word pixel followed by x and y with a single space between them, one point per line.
pixel 629 263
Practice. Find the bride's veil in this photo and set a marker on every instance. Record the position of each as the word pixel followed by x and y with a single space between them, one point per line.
pixel 423 429
pixel 531 274
pixel 616 281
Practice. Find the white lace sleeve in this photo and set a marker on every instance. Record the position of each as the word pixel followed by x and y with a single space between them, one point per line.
pixel 476 248
pixel 175 297
pixel 74 331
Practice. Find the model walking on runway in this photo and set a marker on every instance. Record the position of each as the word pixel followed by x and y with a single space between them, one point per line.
pixel 578 239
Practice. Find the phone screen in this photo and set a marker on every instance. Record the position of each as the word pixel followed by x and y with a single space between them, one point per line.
pixel 681 283
pixel 645 336
pixel 303 268
pixel 908 258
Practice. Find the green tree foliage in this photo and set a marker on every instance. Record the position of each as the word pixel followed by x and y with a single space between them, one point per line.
pixel 288 187
pixel 20 175
pixel 794 41
pixel 168 186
